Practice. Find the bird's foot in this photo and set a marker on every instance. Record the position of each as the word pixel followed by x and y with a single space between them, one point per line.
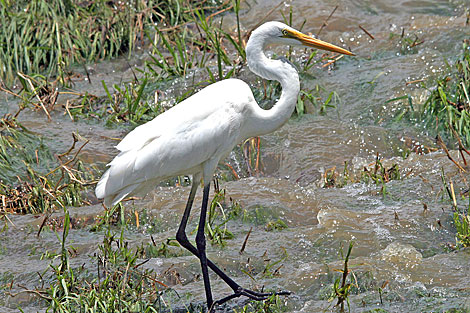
pixel 257 296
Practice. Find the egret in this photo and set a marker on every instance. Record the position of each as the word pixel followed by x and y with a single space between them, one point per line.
pixel 198 133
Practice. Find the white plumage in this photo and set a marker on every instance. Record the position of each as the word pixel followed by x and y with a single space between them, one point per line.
pixel 179 141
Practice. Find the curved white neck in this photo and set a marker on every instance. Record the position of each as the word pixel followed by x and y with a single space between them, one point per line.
pixel 266 121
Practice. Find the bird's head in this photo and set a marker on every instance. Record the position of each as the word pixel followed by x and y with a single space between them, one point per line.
pixel 280 33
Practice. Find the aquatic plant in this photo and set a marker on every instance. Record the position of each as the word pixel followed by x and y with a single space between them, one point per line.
pixel 32 179
pixel 49 36
pixel 167 249
pixel 118 285
pixel 272 267
pixel 375 173
pixel 343 284
pixel 462 225
pixel 407 43
pixel 218 215
pixel 177 52
pixel 273 304
pixel 319 98
pixel 21 150
pixel 449 102
pixel 119 281
pixel 461 217
pixel 137 101
pixel 221 211
pixel 446 112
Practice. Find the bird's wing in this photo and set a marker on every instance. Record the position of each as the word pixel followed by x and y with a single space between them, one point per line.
pixel 204 126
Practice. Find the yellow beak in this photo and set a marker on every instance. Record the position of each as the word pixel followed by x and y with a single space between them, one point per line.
pixel 316 43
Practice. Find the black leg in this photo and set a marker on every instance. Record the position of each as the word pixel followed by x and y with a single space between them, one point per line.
pixel 201 245
pixel 181 234
pixel 184 242
pixel 257 296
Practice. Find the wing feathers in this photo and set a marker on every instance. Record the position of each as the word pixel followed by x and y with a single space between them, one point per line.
pixel 179 141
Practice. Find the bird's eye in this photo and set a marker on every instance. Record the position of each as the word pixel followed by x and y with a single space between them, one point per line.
pixel 285 32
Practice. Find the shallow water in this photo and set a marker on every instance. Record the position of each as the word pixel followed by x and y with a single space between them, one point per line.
pixel 398 244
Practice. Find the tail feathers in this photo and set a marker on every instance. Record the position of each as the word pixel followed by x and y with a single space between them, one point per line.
pixel 100 190
pixel 112 200
pixel 119 180
pixel 116 183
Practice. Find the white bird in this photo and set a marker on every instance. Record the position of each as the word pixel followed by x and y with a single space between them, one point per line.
pixel 198 133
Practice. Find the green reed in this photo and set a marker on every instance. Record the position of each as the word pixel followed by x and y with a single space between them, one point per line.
pixel 446 111
pixel 49 36
pixel 449 102
pixel 179 51
pixel 119 284
pixel 461 216
pixel 342 285
pixel 32 179
pixel 462 225
pixel 116 280
pixel 376 173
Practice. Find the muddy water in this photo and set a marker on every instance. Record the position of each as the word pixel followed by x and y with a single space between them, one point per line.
pixel 399 245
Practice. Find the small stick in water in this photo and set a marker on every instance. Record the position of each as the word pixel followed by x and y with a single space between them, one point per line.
pixel 246 240
pixel 414 82
pixel 325 23
pixel 367 33
pixel 443 146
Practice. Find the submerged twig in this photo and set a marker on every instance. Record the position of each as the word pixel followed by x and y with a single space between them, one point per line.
pixel 414 82
pixel 63 165
pixel 325 23
pixel 367 33
pixel 220 11
pixel 46 217
pixel 245 241
pixel 461 146
pixel 248 33
pixel 443 146
pixel 35 93
pixel 333 61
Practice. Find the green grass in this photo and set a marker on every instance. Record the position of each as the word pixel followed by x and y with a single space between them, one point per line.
pixel 32 180
pixel 461 216
pixel 118 285
pixel 462 225
pixel 274 304
pixel 221 212
pixel 218 215
pixel 375 173
pixel 178 56
pixel 177 53
pixel 446 112
pixel 449 102
pixel 343 284
pixel 48 37
pixel 21 151
pixel 407 44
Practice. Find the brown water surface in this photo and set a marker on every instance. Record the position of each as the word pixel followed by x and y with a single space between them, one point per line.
pixel 396 240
